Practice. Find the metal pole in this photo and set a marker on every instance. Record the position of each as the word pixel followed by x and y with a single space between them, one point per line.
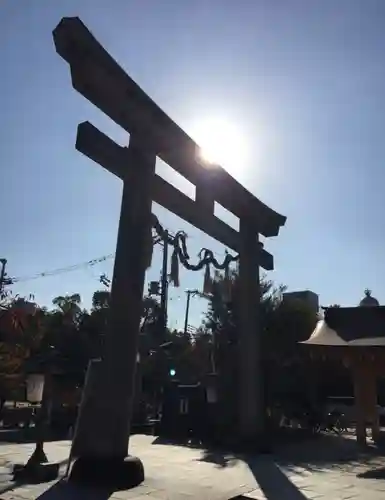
pixel 164 291
pixel 189 292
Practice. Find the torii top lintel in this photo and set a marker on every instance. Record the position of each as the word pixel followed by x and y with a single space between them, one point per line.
pixel 99 78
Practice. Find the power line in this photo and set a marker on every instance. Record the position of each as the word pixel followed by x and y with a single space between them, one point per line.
pixel 61 270
pixel 67 269
pixel 74 267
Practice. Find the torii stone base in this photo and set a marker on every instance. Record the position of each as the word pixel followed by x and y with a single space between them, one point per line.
pixel 114 474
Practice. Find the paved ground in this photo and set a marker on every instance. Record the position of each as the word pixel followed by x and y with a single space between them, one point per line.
pixel 324 469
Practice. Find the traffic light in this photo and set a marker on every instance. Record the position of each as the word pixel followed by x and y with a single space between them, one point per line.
pixel 172 372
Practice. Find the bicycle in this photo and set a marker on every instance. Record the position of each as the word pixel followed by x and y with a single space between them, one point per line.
pixel 336 423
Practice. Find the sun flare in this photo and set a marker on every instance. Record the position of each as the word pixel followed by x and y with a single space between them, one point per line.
pixel 220 143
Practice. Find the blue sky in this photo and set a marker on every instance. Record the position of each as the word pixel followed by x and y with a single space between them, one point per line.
pixel 303 80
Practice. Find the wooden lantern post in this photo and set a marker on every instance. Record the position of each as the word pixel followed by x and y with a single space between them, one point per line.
pixel 364 371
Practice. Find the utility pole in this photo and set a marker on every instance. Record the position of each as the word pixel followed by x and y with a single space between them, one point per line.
pixel 185 330
pixel 3 263
pixel 189 294
pixel 164 285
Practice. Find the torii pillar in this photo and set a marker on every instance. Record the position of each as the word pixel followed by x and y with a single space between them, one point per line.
pixel 100 450
pixel 251 412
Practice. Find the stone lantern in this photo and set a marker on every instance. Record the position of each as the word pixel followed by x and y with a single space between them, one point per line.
pixel 35 386
pixel 356 337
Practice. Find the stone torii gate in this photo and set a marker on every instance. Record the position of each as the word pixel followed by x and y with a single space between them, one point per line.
pixel 97 76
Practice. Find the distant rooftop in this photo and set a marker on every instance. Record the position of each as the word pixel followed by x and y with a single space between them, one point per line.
pixel 350 326
pixel 368 300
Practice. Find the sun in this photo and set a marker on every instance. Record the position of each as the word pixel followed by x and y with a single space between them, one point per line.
pixel 221 143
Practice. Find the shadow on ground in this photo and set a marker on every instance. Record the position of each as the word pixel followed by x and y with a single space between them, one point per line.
pixel 216 455
pixel 327 452
pixel 322 452
pixel 373 474
pixel 12 485
pixel 270 471
pixel 273 483
pixel 220 459
pixel 64 490
pixel 318 455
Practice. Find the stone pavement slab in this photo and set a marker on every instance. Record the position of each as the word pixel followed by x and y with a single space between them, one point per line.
pixel 181 473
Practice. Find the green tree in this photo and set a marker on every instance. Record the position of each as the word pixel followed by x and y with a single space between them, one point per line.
pixel 284 325
pixel 66 343
pixel 69 307
pixel 222 321
pixel 100 300
pixel 21 331
pixel 94 324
